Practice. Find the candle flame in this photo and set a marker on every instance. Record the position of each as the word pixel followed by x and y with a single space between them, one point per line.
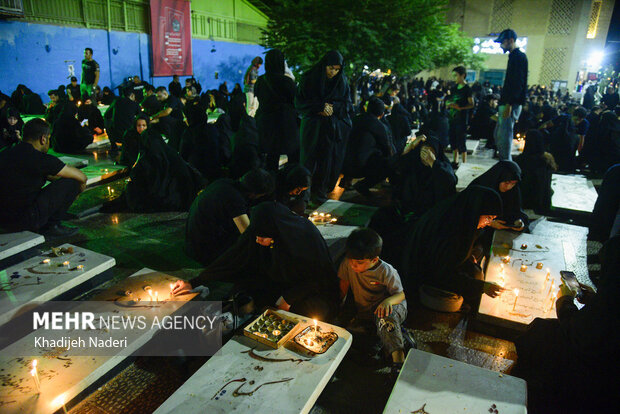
pixel 516 292
pixel 171 286
pixel 34 363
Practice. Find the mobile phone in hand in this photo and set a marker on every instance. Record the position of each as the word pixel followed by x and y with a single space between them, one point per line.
pixel 570 280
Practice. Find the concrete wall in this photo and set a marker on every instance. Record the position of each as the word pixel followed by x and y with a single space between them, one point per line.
pixel 36 55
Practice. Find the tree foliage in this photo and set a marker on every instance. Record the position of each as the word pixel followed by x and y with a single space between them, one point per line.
pixel 406 36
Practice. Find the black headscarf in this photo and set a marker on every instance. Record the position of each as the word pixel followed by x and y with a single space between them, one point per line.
pixel 607 206
pixel 290 177
pixel 327 89
pixel 8 132
pixel 443 238
pixel 500 172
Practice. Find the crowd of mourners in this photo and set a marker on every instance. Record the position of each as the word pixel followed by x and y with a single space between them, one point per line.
pixel 217 154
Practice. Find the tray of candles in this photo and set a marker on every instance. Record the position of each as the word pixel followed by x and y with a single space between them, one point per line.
pixel 322 218
pixel 314 341
pixel 272 329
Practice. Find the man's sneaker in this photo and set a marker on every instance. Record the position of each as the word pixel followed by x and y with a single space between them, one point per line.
pixel 57 231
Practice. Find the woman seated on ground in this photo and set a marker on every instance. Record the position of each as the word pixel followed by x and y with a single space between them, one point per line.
pixel 292 183
pixel 107 96
pixel 570 363
pixel 423 177
pixel 220 214
pixel 131 141
pixel 280 260
pixel 159 181
pixel 504 177
pixel 245 143
pixel 605 219
pixel 537 166
pixel 68 134
pixel 88 111
pixel 441 248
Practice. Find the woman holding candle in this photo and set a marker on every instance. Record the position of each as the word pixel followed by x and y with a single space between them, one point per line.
pixel 441 251
pixel 571 363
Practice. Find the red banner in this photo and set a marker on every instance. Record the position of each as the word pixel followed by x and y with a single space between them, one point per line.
pixel 171 33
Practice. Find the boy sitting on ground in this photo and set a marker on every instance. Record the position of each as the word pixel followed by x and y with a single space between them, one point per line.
pixel 377 290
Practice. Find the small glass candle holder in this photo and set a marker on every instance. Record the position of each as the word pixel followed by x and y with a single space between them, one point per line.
pixel 80 268
pixel 47 262
pixel 506 259
pixel 523 246
pixel 539 265
pixel 523 268
pixel 66 264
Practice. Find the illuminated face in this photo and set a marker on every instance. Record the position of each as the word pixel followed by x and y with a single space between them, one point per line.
pixel 141 125
pixel 264 241
pixel 87 54
pixel 12 120
pixel 485 221
pixel 162 96
pixel 507 185
pixel 361 265
pixel 54 98
pixel 332 70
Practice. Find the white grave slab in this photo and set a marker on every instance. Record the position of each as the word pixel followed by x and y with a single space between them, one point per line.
pixel 199 393
pixel 13 243
pixel 433 384
pixel 349 214
pixel 102 171
pixel 98 142
pixel 535 289
pixel 35 281
pixel 573 192
pixel 335 236
pixel 63 379
pixel 469 171
pixel 73 161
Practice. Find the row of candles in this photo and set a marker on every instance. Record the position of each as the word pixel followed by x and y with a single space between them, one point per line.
pixel 155 296
pixel 322 217
pixel 539 265
pixel 66 264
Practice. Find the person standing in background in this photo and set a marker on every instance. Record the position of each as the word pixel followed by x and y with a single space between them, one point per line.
pixel 512 96
pixel 90 73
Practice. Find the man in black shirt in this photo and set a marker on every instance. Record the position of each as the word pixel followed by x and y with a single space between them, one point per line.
pixel 169 121
pixel 513 93
pixel 459 103
pixel 90 73
pixel 175 87
pixel 73 90
pixel 138 88
pixel 150 104
pixel 610 99
pixel 24 169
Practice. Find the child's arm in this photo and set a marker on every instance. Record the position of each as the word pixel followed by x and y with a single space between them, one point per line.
pixel 344 288
pixel 385 308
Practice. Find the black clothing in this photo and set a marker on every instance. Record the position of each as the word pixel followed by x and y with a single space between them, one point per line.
pixel 245 152
pixel 417 187
pixel 225 135
pixel 607 208
pixel 16 99
pixel 10 134
pixel 175 89
pixel 297 266
pixel 588 98
pixel 324 138
pixel 368 137
pixel 108 98
pixel 610 100
pixel 515 82
pixel 161 180
pixel 89 68
pixel 23 172
pixel 537 167
pixel 119 118
pixel 400 122
pixel 608 141
pixel 138 90
pixel 53 112
pixel 511 199
pixel 482 126
pixel 564 142
pixel 439 246
pixel 68 135
pixel 288 178
pixel 199 143
pixel 131 147
pixel 93 115
pixel 74 93
pixel 150 105
pixel 210 229
pixel 276 117
pixel 172 125
pixel 570 362
pixel 32 103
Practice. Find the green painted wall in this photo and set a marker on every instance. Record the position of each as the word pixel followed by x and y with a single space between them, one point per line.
pixel 229 20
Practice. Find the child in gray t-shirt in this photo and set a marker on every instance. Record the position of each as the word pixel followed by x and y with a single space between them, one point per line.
pixel 377 289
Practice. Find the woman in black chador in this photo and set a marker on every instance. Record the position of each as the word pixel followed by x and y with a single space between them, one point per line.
pixel 132 141
pixel 441 249
pixel 505 177
pixel 324 103
pixel 282 260
pixel 537 166
pixel 276 117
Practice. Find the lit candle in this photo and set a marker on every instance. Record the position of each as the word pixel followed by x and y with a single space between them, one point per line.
pixel 150 292
pixel 35 375
pixel 539 265
pixel 523 246
pixel 80 268
pixel 46 262
pixel 316 213
pixel 156 297
pixel 523 268
pixel 506 259
pixel 109 191
pixel 322 214
pixel 66 264
pixel 171 287
pixel 334 220
pixel 550 288
pixel 555 296
pixel 315 326
pixel 516 297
